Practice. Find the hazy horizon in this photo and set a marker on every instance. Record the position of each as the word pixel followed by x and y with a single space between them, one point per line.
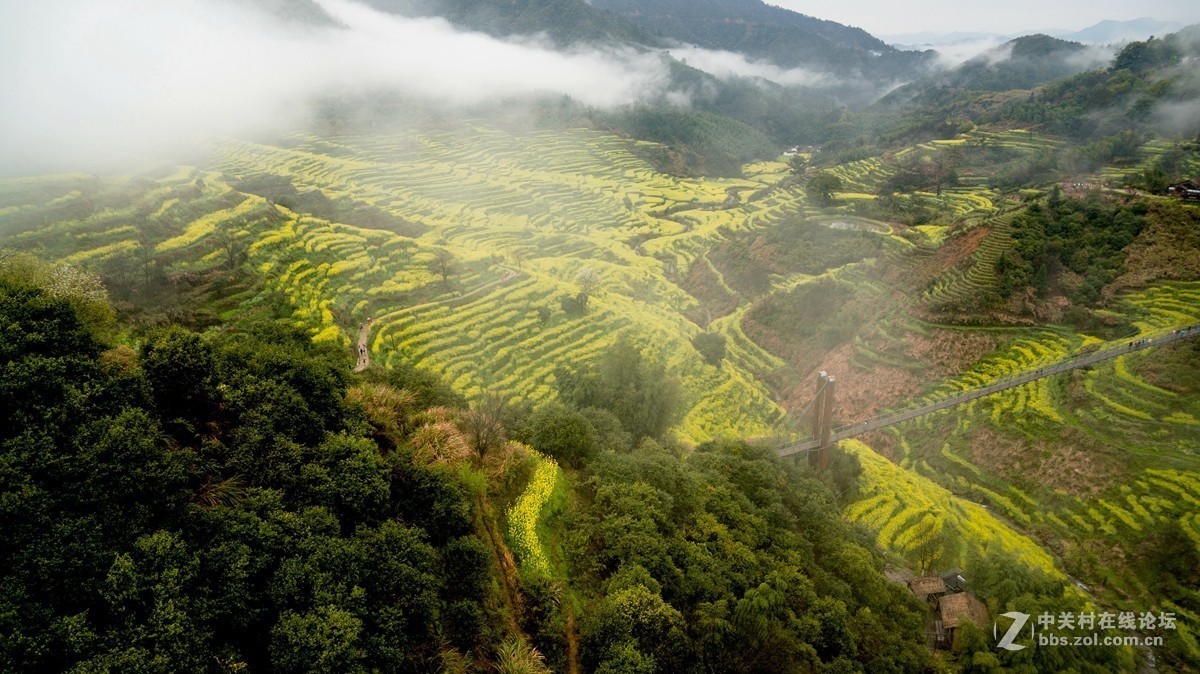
pixel 881 17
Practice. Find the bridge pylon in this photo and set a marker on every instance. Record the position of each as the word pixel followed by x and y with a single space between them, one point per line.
pixel 822 420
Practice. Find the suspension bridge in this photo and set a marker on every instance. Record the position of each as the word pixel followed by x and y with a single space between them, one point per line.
pixel 824 434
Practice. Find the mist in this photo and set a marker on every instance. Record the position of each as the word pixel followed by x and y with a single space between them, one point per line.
pixel 950 55
pixel 89 85
pixel 725 64
pixel 1179 113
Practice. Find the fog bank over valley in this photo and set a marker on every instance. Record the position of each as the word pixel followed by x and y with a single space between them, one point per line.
pixel 98 84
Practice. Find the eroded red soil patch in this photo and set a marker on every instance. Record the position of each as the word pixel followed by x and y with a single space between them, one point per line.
pixel 1065 463
pixel 948 352
pixel 953 252
pixel 860 394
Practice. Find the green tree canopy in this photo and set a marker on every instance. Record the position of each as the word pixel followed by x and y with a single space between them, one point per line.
pixel 561 432
pixel 623 381
pixel 213 505
pixel 820 188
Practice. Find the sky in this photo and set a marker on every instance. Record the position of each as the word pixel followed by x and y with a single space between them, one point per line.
pixel 890 17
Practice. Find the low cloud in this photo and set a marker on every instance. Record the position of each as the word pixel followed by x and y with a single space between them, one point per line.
pixel 957 52
pixel 995 50
pixel 1092 57
pixel 87 84
pixel 1087 58
pixel 1177 117
pixel 998 55
pixel 726 64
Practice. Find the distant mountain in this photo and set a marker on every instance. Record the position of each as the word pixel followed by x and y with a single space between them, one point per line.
pixel 725 123
pixel 1149 88
pixel 1115 32
pixel 853 68
pixel 783 37
pixel 1026 62
pixel 927 37
pixel 1023 63
pixel 1108 31
pixel 565 22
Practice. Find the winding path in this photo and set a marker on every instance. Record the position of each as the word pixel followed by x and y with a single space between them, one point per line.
pixel 883 421
pixel 364 352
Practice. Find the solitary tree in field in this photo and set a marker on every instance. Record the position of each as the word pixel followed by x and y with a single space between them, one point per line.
pixel 483 424
pixel 711 345
pixel 935 550
pixel 443 264
pixel 233 245
pixel 797 164
pixel 820 188
pixel 944 167
pixel 588 280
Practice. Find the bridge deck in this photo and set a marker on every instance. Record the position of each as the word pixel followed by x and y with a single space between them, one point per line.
pixel 851 430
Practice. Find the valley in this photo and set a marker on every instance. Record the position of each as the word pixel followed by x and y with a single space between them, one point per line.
pixel 426 379
pixel 468 249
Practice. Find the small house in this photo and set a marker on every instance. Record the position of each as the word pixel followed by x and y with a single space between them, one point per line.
pixel 1188 190
pixel 957 608
pixel 927 587
pixel 954 580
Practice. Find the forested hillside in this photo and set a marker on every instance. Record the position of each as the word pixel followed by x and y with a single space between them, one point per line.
pixel 566 22
pixel 774 34
pixel 1023 63
pixel 237 500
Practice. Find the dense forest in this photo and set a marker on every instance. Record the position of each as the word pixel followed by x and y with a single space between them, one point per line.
pixel 213 503
pixel 236 499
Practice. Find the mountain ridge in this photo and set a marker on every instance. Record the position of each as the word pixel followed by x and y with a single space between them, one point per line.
pixel 786 38
pixel 1108 31
pixel 1021 63
pixel 564 22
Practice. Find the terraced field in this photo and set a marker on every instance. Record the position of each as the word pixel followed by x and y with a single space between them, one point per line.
pixel 863 176
pixel 508 221
pixel 549 204
pixel 1147 158
pixel 926 523
pixel 499 227
pixel 966 283
pixel 1094 459
pixel 1024 141
pixel 966 198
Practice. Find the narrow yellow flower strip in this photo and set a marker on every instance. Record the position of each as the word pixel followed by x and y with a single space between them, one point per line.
pixel 524 515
